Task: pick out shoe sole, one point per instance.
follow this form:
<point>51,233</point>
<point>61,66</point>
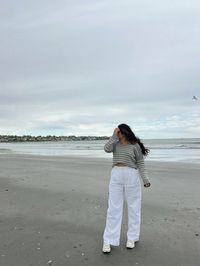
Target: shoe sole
<point>130,247</point>
<point>106,252</point>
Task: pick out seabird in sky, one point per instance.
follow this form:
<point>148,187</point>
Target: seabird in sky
<point>194,98</point>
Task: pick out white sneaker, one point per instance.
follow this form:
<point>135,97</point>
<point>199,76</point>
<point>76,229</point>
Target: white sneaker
<point>130,244</point>
<point>106,248</point>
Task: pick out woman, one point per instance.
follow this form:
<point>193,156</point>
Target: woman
<point>128,164</point>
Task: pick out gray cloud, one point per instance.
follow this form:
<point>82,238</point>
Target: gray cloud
<point>74,67</point>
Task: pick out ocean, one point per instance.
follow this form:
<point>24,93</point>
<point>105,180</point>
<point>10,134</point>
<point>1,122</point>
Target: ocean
<point>182,150</point>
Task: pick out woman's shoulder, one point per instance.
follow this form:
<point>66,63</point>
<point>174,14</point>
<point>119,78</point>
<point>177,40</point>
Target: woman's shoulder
<point>136,146</point>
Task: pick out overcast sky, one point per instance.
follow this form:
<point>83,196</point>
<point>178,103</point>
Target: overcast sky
<point>82,67</point>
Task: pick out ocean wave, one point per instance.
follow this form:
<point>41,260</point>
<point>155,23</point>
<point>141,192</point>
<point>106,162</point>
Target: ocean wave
<point>2,150</point>
<point>174,148</point>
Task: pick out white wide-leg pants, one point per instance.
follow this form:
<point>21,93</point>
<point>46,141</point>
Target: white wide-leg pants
<point>124,184</point>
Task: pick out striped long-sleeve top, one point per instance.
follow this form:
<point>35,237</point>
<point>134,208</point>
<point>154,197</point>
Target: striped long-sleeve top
<point>129,154</point>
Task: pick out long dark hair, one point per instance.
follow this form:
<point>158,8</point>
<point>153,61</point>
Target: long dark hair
<point>130,136</point>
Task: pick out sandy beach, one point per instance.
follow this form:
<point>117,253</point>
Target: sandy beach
<point>52,212</point>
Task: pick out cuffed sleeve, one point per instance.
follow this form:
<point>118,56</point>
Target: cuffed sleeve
<point>140,164</point>
<point>109,146</point>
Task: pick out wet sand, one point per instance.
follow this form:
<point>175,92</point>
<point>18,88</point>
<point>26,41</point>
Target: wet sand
<point>52,212</point>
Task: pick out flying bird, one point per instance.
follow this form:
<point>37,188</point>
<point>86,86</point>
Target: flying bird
<point>194,98</point>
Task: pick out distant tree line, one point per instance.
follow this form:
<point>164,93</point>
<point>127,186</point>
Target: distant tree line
<point>15,138</point>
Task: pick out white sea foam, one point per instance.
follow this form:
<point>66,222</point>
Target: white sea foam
<point>161,150</point>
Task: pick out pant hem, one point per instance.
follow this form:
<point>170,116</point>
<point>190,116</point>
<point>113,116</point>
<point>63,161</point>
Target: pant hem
<point>112,243</point>
<point>133,239</point>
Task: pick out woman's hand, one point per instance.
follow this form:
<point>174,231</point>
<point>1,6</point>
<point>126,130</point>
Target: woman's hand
<point>116,131</point>
<point>147,185</point>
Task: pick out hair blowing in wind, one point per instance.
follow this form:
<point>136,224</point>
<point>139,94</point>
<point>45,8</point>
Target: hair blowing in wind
<point>130,136</point>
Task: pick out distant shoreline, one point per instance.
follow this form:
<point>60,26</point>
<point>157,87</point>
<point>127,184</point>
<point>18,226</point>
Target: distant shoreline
<point>29,138</point>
